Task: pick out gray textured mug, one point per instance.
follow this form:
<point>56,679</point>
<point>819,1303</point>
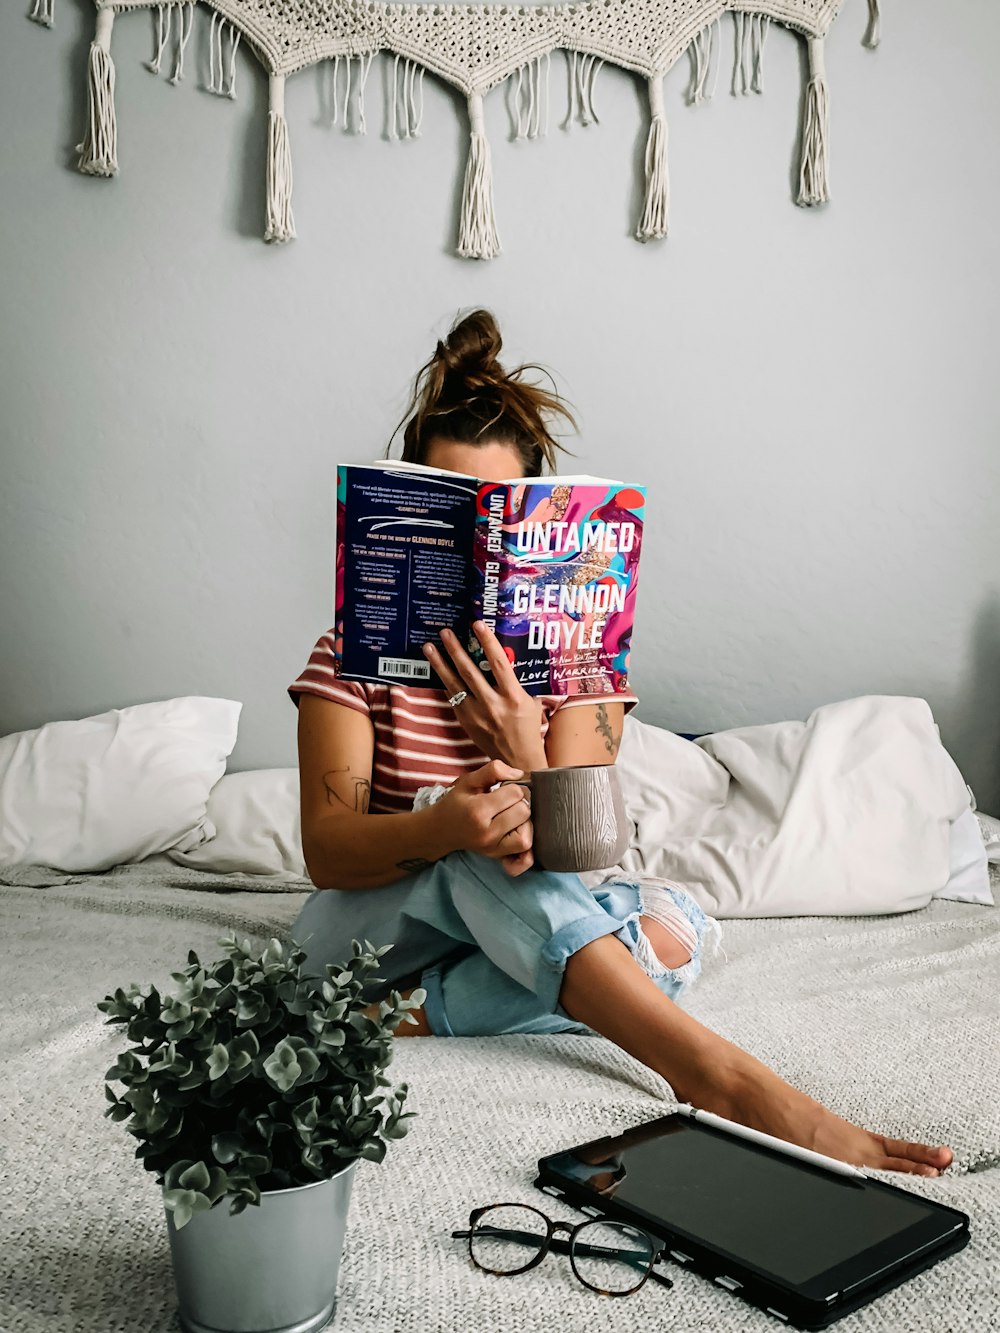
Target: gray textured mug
<point>579,817</point>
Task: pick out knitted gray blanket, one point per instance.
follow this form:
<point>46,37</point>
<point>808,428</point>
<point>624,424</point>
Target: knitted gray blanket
<point>894,1021</point>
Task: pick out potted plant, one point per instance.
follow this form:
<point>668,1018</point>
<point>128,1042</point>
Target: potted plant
<point>255,1084</point>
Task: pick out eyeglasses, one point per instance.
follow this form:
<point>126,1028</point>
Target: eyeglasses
<point>609,1257</point>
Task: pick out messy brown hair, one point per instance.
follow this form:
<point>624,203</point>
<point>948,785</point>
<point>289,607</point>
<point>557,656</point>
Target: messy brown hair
<point>463,394</point>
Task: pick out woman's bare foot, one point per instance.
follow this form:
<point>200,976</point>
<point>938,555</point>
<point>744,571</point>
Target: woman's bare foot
<point>759,1098</point>
<point>606,989</point>
<point>405,1029</point>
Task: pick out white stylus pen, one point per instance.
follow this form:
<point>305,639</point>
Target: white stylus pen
<point>768,1141</point>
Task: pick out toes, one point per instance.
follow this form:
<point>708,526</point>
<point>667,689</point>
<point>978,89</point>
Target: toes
<point>907,1166</point>
<point>921,1153</point>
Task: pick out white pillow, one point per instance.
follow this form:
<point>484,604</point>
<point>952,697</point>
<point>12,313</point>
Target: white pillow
<point>968,863</point>
<point>257,832</point>
<point>88,795</point>
<point>848,813</point>
<point>989,828</point>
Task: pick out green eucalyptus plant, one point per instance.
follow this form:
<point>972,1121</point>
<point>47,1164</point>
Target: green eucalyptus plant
<point>250,1076</point>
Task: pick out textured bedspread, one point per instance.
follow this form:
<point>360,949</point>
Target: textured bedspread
<point>893,1020</point>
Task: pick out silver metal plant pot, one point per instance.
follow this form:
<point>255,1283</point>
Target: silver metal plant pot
<point>271,1269</point>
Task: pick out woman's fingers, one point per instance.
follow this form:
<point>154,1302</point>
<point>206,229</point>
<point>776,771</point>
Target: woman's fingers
<point>511,832</point>
<point>452,682</point>
<point>471,675</point>
<point>458,676</point>
<point>509,803</point>
<point>517,865</point>
<point>500,663</point>
<point>485,778</point>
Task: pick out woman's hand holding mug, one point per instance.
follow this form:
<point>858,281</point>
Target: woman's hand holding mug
<point>494,823</point>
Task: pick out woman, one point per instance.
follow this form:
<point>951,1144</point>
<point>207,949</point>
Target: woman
<point>500,946</point>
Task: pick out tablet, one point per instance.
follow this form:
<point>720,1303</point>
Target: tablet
<point>799,1241</point>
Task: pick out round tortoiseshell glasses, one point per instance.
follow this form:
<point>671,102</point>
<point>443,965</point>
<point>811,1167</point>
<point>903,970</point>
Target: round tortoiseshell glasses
<point>612,1258</point>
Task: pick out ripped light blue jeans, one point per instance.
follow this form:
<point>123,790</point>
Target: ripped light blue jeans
<point>490,949</point>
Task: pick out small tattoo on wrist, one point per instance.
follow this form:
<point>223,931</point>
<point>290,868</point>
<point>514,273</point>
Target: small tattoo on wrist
<point>413,865</point>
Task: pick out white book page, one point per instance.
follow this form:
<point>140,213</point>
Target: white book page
<point>580,479</point>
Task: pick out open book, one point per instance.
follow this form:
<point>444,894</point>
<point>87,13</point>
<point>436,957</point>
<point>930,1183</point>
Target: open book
<point>550,564</point>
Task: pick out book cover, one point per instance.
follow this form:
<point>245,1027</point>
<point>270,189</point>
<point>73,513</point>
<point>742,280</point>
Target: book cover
<point>551,565</point>
<point>557,563</point>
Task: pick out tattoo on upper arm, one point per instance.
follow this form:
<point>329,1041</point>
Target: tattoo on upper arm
<point>605,729</point>
<point>359,790</point>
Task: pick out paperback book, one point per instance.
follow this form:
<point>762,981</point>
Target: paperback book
<point>549,563</point>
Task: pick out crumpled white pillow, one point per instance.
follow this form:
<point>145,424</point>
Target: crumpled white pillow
<point>118,787</point>
<point>968,863</point>
<point>856,811</point>
<point>256,818</point>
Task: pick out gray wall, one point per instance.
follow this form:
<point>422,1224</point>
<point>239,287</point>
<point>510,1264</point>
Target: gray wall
<point>809,395</point>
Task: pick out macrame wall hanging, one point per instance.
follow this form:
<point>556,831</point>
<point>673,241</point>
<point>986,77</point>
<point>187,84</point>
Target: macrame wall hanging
<point>475,48</point>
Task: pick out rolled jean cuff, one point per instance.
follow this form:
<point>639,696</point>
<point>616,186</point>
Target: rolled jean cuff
<point>570,939</point>
<point>437,1020</point>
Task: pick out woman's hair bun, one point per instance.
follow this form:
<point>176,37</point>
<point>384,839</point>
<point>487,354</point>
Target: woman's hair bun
<point>463,394</point>
<point>473,345</point>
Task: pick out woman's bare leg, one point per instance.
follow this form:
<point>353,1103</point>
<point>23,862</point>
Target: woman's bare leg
<point>605,988</point>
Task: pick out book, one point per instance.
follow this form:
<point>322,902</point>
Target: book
<point>549,563</point>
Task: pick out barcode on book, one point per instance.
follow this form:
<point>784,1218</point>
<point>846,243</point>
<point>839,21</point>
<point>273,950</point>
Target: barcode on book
<point>402,666</point>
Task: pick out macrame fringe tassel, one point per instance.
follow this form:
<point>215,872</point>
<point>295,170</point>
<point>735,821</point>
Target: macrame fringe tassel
<point>656,209</point>
<point>162,33</point>
<point>702,49</point>
<point>280,222</point>
<point>814,173</point>
<point>185,22</point>
<point>406,99</point>
<point>874,34</point>
<point>477,237</point>
<point>748,64</point>
<point>583,72</point>
<point>42,12</point>
<point>530,98</point>
<point>99,150</point>
<point>218,81</point>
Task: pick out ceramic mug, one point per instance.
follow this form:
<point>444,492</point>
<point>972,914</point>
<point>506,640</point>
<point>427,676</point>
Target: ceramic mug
<point>579,818</point>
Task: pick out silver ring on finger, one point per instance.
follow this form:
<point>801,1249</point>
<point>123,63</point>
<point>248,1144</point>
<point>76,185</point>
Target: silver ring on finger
<point>458,698</point>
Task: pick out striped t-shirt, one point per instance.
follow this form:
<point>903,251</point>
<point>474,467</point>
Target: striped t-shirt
<point>418,738</point>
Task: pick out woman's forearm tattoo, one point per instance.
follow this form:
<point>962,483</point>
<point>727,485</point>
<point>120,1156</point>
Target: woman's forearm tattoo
<point>359,790</point>
<point>605,729</point>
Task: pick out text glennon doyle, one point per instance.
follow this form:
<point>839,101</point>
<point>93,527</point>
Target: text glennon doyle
<point>556,539</point>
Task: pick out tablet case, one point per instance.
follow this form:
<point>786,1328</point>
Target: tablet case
<point>744,1281</point>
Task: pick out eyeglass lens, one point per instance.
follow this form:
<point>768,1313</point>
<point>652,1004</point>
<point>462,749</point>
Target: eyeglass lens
<point>611,1257</point>
<point>606,1256</point>
<point>507,1239</point>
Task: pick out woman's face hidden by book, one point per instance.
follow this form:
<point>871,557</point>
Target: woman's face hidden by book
<point>488,461</point>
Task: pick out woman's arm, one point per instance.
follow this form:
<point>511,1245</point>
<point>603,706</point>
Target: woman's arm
<point>346,848</point>
<point>336,745</point>
<point>581,734</point>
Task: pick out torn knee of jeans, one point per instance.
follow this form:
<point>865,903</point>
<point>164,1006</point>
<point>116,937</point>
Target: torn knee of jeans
<point>642,950</point>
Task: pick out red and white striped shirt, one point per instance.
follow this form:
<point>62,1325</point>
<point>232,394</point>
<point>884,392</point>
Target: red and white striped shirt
<point>418,739</point>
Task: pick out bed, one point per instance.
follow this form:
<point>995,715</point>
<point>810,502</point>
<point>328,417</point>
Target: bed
<point>894,1020</point>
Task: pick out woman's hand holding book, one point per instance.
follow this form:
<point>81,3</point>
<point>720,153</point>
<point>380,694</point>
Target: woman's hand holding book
<point>502,719</point>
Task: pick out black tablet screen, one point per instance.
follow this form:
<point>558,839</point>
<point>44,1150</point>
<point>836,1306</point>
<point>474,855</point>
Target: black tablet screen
<point>793,1221</point>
